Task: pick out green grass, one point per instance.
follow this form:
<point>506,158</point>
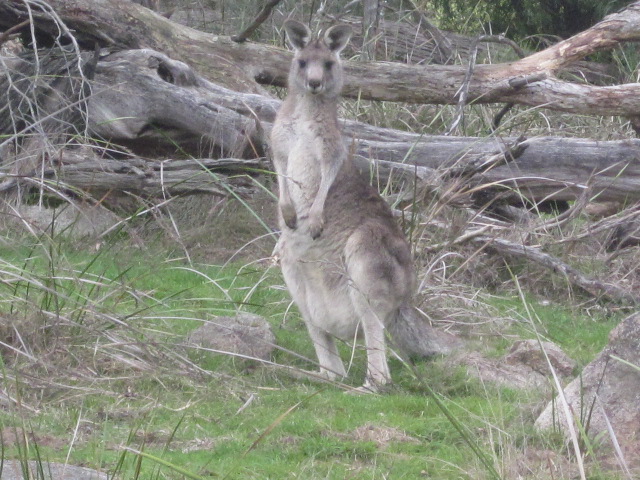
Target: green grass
<point>578,333</point>
<point>96,408</point>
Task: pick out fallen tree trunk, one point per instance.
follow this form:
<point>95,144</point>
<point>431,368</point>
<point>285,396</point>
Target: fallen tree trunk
<point>580,167</point>
<point>529,81</point>
<point>162,100</point>
<point>155,179</point>
<point>550,168</point>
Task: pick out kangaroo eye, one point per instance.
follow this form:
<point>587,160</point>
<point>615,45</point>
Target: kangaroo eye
<point>302,63</point>
<point>328,64</point>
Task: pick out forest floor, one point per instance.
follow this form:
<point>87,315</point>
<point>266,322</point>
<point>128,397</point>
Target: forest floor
<point>97,371</point>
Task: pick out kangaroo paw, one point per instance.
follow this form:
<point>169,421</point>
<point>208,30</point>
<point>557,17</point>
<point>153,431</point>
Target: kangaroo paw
<point>316,225</point>
<point>289,215</point>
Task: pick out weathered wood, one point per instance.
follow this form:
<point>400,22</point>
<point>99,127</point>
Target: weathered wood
<point>592,286</point>
<point>152,178</point>
<point>141,94</point>
<point>242,66</point>
<point>370,22</point>
<point>421,43</point>
<point>260,19</point>
<point>550,168</point>
<point>442,43</point>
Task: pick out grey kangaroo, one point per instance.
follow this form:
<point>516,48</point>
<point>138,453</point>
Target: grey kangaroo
<point>344,259</point>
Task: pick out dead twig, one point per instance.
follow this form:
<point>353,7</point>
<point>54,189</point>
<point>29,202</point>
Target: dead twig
<point>596,288</point>
<point>260,19</point>
<point>4,36</point>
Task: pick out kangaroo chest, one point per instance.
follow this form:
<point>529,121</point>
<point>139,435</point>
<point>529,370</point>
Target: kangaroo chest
<point>304,161</point>
<point>307,144</point>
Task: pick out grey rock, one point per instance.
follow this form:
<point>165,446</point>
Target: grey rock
<point>609,391</point>
<point>523,367</point>
<point>530,353</point>
<point>12,470</point>
<point>496,370</point>
<point>73,221</point>
<point>245,334</point>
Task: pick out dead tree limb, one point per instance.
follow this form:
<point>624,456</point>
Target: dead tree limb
<point>152,178</point>
<point>260,19</point>
<point>595,288</point>
<point>243,66</point>
<point>370,20</point>
<point>143,100</point>
<point>443,45</point>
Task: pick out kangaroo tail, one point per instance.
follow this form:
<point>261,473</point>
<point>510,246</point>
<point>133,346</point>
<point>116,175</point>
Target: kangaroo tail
<point>412,334</point>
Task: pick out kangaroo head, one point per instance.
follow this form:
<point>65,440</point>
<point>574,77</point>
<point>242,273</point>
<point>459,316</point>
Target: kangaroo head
<point>316,67</point>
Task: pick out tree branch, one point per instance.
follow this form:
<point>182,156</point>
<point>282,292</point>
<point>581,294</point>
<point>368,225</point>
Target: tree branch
<point>592,286</point>
<point>243,66</point>
<point>260,19</point>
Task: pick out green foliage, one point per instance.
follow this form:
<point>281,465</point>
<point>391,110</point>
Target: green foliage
<point>525,18</point>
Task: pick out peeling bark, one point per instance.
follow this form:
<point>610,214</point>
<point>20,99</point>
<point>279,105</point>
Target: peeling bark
<point>141,97</point>
<point>118,23</point>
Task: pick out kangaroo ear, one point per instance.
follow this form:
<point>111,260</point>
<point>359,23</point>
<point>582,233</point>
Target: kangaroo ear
<point>298,34</point>
<point>337,37</point>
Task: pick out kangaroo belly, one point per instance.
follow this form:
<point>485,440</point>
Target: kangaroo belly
<point>316,276</point>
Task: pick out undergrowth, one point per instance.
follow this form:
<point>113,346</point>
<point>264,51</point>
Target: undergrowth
<point>97,371</point>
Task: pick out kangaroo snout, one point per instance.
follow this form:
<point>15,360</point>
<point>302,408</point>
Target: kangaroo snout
<point>315,75</point>
<point>314,86</point>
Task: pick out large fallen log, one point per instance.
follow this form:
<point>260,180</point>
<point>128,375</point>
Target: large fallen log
<point>530,81</point>
<point>141,95</point>
<point>151,178</point>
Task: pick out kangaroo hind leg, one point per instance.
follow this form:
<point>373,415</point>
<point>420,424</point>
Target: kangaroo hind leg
<point>372,321</point>
<point>380,281</point>
<point>331,365</point>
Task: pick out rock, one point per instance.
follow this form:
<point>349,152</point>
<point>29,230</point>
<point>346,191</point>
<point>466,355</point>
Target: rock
<point>523,367</point>
<point>609,390</point>
<point>245,334</point>
<point>496,370</point>
<point>598,210</point>
<point>74,221</point>
<point>529,353</point>
<point>12,470</point>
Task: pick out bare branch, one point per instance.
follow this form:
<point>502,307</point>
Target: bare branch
<point>6,35</point>
<point>592,286</point>
<point>260,19</point>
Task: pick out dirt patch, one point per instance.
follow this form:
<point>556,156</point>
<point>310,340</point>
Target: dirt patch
<point>12,437</point>
<point>380,435</point>
<point>541,464</point>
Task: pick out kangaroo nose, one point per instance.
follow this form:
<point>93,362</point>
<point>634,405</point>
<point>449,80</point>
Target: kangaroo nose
<point>314,84</point>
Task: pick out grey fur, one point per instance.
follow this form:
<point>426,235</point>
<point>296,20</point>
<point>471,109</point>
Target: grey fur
<point>346,262</point>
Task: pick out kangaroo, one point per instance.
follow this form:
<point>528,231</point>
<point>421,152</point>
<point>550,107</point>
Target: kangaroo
<point>344,259</point>
<point>306,140</point>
